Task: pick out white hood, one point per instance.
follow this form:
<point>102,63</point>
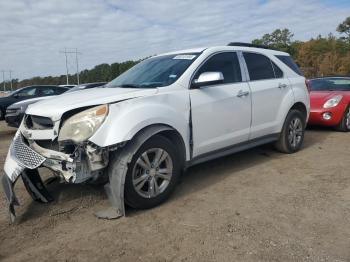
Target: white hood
<point>57,106</point>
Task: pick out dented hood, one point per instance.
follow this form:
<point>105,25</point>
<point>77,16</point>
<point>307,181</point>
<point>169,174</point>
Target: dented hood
<point>54,108</point>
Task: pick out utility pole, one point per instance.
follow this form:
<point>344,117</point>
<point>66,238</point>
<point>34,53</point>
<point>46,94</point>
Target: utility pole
<point>3,79</point>
<point>65,52</point>
<point>10,71</point>
<point>77,62</point>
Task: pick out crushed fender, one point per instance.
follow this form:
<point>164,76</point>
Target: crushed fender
<point>118,169</point>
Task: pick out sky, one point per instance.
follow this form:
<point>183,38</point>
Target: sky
<point>32,32</point>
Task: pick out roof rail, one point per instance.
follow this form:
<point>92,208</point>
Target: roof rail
<point>249,45</point>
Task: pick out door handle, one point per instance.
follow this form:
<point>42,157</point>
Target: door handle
<point>242,93</point>
<point>280,85</point>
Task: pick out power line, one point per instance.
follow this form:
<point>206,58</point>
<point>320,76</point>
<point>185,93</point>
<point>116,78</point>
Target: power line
<point>65,52</point>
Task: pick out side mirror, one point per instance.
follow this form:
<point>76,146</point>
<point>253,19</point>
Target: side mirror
<point>208,78</point>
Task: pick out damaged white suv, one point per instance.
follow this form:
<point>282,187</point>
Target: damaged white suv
<point>165,114</point>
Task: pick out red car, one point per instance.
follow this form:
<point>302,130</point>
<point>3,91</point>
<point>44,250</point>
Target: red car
<point>329,102</point>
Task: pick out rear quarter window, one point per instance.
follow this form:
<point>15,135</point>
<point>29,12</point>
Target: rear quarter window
<point>287,60</point>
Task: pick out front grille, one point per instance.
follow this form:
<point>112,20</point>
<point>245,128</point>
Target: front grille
<point>38,122</point>
<point>25,155</point>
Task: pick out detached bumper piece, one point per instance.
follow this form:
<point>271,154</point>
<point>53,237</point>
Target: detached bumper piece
<point>10,196</point>
<point>23,162</point>
<point>34,185</point>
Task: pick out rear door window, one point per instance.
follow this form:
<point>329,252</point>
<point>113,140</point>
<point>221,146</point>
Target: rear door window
<point>259,66</point>
<point>46,91</point>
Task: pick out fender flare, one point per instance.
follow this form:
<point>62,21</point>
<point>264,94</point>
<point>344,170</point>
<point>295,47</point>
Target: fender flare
<point>118,169</point>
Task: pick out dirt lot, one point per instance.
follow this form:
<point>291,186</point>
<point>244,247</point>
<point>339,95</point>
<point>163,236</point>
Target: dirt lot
<point>258,205</point>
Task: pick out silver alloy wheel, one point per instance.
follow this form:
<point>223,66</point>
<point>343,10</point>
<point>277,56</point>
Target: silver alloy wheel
<point>347,122</point>
<point>295,132</point>
<point>152,172</point>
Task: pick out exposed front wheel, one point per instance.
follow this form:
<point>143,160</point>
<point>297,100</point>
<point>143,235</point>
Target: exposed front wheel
<point>344,125</point>
<point>292,135</point>
<point>152,174</point>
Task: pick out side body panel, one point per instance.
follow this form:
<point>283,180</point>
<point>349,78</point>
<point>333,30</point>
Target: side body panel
<point>219,117</point>
<point>270,103</point>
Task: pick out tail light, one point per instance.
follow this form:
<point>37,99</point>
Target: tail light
<point>308,85</point>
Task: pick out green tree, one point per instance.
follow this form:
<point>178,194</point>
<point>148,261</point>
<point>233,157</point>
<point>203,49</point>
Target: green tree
<point>280,39</point>
<point>344,28</point>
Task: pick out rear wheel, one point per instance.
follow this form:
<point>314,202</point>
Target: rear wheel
<point>292,135</point>
<point>344,125</point>
<point>152,174</point>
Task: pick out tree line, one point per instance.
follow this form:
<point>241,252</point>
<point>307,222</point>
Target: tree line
<point>321,56</point>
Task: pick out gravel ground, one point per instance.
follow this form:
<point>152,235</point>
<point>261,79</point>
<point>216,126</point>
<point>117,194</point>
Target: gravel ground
<point>258,205</point>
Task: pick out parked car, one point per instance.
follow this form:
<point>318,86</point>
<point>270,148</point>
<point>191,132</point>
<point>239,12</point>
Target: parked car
<point>165,114</point>
<point>86,86</point>
<point>330,102</point>
<point>28,93</point>
<point>68,86</point>
<point>15,112</point>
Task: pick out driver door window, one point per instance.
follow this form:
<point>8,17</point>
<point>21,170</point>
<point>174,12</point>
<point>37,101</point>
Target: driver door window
<point>226,63</point>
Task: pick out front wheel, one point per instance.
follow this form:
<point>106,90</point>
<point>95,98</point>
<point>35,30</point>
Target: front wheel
<point>152,174</point>
<point>344,125</point>
<point>292,135</point>
<point>2,114</point>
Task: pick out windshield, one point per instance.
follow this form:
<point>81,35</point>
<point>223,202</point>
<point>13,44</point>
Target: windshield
<point>330,84</point>
<point>155,72</point>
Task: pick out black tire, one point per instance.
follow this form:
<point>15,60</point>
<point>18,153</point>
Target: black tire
<point>132,197</point>
<point>285,143</point>
<point>344,124</point>
<point>2,114</point>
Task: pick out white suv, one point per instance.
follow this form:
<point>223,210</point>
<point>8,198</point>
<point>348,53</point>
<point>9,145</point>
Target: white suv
<point>167,113</point>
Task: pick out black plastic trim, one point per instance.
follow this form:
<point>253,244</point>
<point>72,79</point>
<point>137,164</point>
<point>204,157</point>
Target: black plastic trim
<point>233,149</point>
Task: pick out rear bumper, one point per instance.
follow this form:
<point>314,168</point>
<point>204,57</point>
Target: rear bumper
<point>317,116</point>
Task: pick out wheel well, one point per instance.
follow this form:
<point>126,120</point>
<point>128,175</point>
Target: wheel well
<point>300,107</point>
<point>177,140</point>
<point>170,133</point>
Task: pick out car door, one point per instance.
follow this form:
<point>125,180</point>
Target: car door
<point>269,89</point>
<point>221,113</point>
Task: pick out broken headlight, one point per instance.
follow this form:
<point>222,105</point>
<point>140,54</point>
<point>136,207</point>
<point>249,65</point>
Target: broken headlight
<point>83,125</point>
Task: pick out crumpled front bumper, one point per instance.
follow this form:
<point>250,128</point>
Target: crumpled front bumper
<point>22,161</point>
